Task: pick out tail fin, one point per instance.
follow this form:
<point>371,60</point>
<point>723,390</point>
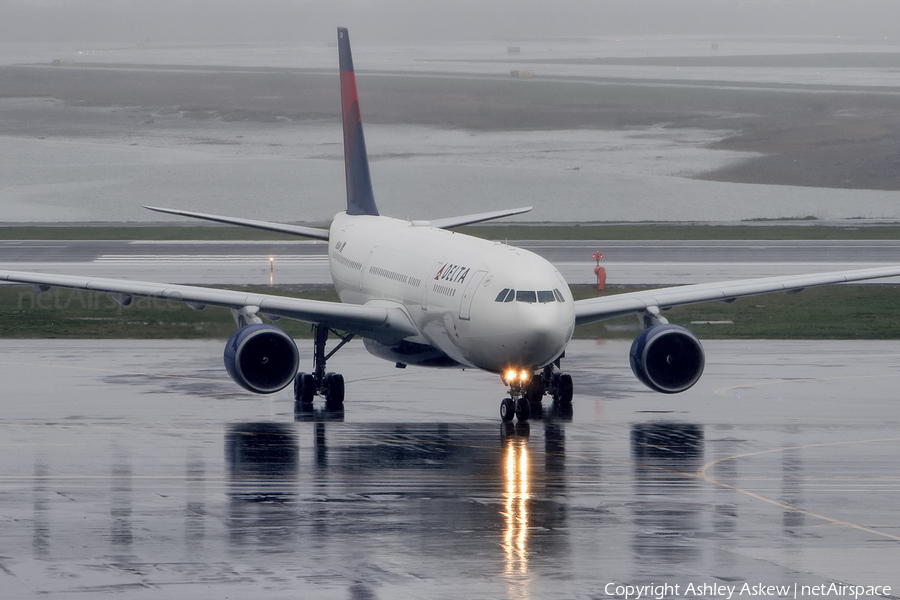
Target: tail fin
<point>360,199</point>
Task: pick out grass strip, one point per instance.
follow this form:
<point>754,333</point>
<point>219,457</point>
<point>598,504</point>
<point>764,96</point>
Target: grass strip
<point>864,311</point>
<point>514,231</point>
<point>138,232</point>
<point>833,312</point>
<point>79,314</point>
<point>681,231</point>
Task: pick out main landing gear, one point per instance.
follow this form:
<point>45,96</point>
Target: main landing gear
<point>328,385</point>
<point>527,390</point>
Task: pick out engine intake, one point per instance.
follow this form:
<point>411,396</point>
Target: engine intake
<point>261,358</point>
<point>667,358</point>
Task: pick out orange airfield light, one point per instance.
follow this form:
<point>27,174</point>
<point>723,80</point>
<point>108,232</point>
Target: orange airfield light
<point>600,272</point>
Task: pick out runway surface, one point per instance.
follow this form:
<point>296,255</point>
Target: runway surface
<point>136,468</point>
<point>626,262</point>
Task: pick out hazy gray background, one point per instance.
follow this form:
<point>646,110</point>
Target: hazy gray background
<point>253,21</point>
<point>637,110</point>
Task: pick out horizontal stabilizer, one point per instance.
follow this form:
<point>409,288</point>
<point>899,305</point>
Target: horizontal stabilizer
<point>450,222</point>
<point>310,232</point>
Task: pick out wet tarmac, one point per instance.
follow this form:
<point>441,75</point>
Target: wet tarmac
<point>135,469</point>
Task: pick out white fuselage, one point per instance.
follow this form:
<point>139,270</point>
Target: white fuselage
<point>449,284</point>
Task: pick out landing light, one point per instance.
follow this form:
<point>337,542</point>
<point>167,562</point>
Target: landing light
<point>511,376</point>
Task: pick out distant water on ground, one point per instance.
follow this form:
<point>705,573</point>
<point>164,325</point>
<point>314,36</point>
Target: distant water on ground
<point>70,181</point>
<point>469,56</point>
<point>294,172</point>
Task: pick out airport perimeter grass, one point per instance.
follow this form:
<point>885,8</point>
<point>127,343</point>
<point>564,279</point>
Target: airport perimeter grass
<point>833,312</point>
<point>78,314</point>
<point>865,311</point>
<point>800,229</point>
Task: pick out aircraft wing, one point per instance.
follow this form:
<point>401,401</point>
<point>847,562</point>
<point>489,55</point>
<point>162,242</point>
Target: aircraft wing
<point>388,323</point>
<point>449,222</point>
<point>311,232</point>
<point>608,307</point>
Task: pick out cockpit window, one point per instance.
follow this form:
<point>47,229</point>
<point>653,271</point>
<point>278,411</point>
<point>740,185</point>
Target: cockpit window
<point>529,296</point>
<point>506,295</point>
<point>526,296</point>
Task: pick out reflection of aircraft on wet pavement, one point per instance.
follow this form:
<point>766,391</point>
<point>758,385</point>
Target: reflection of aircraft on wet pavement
<point>372,477</point>
<point>418,294</point>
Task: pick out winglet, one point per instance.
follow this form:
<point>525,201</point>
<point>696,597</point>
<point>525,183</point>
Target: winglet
<point>360,199</point>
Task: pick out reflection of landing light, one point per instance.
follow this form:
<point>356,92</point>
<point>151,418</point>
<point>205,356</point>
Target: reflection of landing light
<point>515,542</point>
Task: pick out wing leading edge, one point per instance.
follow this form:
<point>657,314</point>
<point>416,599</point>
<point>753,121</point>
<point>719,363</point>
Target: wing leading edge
<point>392,322</point>
<point>608,307</point>
<point>386,323</point>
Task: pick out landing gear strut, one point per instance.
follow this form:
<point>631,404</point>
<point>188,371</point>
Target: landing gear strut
<point>527,390</point>
<point>328,385</point>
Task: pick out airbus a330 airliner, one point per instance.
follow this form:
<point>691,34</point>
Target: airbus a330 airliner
<point>418,294</point>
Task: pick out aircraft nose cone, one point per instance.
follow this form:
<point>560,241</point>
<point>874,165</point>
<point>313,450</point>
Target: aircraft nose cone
<point>542,336</point>
<point>521,335</point>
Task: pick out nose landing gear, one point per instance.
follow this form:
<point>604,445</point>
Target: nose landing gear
<point>527,390</point>
<point>519,408</point>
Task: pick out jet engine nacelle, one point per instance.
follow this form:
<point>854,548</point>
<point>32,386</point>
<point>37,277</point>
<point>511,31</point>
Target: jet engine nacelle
<point>667,358</point>
<point>261,358</point>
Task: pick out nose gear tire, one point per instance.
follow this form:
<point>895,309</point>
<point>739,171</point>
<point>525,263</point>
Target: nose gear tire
<point>507,410</point>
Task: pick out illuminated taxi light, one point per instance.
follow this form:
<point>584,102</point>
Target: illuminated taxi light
<point>511,376</point>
